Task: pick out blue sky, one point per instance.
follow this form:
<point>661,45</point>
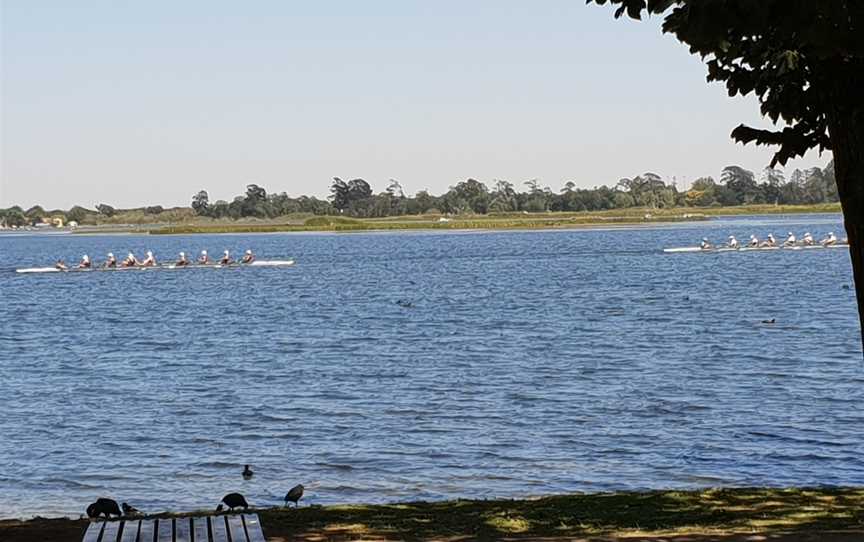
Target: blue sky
<point>133,103</point>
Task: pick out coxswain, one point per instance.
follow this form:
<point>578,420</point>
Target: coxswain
<point>61,265</point>
<point>130,261</point>
<point>790,240</point>
<point>226,258</point>
<point>808,239</point>
<point>111,261</point>
<point>831,239</point>
<point>85,262</point>
<point>769,242</point>
<point>203,259</point>
<point>149,261</point>
<point>248,257</point>
<point>705,245</point>
<point>733,243</point>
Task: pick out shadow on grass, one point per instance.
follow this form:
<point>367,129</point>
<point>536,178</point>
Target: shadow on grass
<point>614,514</point>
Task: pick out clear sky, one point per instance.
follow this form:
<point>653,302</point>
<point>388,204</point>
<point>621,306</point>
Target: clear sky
<point>132,103</point>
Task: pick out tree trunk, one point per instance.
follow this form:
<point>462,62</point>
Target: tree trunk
<point>846,129</point>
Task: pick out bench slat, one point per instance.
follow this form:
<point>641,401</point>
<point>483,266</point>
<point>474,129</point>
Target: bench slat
<point>130,531</point>
<point>166,530</point>
<point>201,532</point>
<point>253,528</point>
<point>147,531</point>
<point>92,534</point>
<point>217,529</point>
<point>182,530</point>
<point>111,531</point>
<point>235,525</point>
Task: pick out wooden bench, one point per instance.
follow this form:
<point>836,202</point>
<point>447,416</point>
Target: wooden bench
<point>223,528</point>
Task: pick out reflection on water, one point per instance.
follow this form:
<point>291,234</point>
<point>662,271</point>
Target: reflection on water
<point>427,366</point>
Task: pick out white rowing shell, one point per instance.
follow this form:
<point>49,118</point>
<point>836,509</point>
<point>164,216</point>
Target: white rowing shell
<point>257,263</point>
<point>748,249</point>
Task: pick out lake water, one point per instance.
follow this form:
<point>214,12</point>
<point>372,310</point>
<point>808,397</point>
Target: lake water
<point>388,367</point>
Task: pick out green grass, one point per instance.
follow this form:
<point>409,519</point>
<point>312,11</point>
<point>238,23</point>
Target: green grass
<point>765,511</point>
<point>658,512</point>
<point>500,221</point>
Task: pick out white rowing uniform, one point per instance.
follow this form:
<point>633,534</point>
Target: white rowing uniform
<point>705,245</point>
<point>807,239</point>
<point>754,242</point>
<point>203,259</point>
<point>733,243</point>
<point>830,240</point>
<point>149,260</point>
<point>790,239</point>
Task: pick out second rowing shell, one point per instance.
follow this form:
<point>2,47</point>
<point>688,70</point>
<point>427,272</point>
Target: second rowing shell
<point>748,249</point>
<point>257,263</point>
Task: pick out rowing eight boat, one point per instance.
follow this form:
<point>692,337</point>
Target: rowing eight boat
<point>750,249</point>
<point>257,263</point>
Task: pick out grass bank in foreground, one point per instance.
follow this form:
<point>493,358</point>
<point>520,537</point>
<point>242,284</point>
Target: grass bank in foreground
<point>499,221</point>
<point>795,514</point>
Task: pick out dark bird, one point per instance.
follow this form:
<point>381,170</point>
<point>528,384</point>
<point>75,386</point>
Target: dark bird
<point>771,321</point>
<point>294,494</point>
<point>219,508</point>
<point>235,500</point>
<point>108,507</point>
<point>247,472</point>
<point>130,510</point>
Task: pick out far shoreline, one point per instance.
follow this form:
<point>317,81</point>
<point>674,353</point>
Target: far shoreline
<point>633,218</point>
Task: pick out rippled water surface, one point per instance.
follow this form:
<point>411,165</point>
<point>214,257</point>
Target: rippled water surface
<point>389,367</point>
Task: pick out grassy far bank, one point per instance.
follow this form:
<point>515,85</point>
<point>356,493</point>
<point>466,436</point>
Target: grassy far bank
<point>781,514</point>
<point>500,221</point>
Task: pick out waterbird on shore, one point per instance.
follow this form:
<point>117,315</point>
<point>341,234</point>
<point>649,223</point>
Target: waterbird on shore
<point>294,494</point>
<point>108,507</point>
<point>129,510</point>
<point>247,473</point>
<point>234,500</point>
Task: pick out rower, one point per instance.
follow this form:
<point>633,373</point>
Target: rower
<point>790,240</point>
<point>61,265</point>
<point>248,257</point>
<point>226,258</point>
<point>182,260</point>
<point>808,239</point>
<point>130,261</point>
<point>754,242</point>
<point>203,259</point>
<point>149,261</point>
<point>769,242</point>
<point>831,239</point>
<point>733,243</point>
<point>111,261</point>
<point>85,262</point>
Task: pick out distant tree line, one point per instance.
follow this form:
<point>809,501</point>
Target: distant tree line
<point>736,186</point>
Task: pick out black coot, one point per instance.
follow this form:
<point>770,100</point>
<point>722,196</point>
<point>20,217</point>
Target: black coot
<point>235,500</point>
<point>294,494</point>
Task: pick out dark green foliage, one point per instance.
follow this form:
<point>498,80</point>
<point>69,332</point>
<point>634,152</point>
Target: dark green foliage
<point>791,54</point>
<point>201,203</point>
<point>78,214</point>
<point>105,210</point>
